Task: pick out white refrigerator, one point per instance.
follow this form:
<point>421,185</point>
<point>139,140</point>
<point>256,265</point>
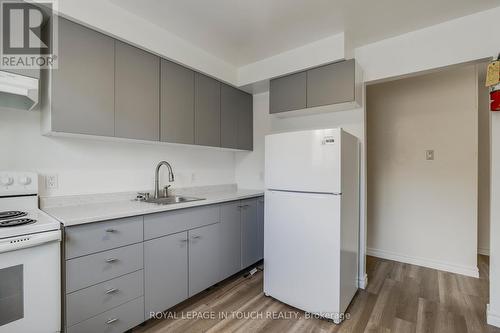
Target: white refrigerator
<point>311,230</point>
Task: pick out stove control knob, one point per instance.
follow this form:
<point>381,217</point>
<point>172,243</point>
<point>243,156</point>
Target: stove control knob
<point>24,180</point>
<point>6,181</point>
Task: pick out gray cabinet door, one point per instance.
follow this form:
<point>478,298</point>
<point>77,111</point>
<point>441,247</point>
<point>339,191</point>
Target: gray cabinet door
<point>165,272</point>
<point>331,84</point>
<point>177,103</point>
<point>83,84</point>
<point>207,111</point>
<point>236,118</point>
<point>204,260</point>
<point>245,122</point>
<point>260,224</point>
<point>137,93</point>
<point>249,233</point>
<point>229,113</point>
<point>230,239</point>
<point>288,93</point>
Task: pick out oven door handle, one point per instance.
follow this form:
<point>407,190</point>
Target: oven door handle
<point>22,242</point>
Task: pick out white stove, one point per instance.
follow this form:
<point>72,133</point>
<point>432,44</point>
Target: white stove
<point>30,270</point>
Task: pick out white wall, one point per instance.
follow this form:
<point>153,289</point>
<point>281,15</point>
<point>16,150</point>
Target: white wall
<point>424,212</point>
<point>93,166</point>
<point>484,179</point>
<point>457,41</point>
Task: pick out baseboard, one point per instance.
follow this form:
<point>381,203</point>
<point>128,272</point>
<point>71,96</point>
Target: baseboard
<point>492,318</point>
<point>442,266</point>
<point>362,281</point>
<point>484,252</point>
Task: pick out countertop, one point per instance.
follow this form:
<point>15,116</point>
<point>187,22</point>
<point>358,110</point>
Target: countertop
<point>81,213</point>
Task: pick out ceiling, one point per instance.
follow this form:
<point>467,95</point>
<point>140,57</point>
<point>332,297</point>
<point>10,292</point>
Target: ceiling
<point>241,32</point>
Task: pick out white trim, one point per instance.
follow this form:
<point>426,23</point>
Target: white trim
<point>484,252</point>
<point>430,263</point>
<point>492,318</point>
<point>362,281</point>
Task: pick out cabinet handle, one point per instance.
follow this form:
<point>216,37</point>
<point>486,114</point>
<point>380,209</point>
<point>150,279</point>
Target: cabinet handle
<point>110,230</point>
<point>111,320</point>
<point>110,260</point>
<point>183,240</point>
<point>196,237</point>
<point>111,291</point>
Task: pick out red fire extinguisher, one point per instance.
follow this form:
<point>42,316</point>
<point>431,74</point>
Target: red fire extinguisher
<point>495,98</point>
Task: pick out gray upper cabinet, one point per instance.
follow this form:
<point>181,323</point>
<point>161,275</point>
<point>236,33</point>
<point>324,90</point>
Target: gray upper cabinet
<point>236,118</point>
<point>337,84</point>
<point>204,260</point>
<point>288,93</point>
<point>230,239</point>
<point>137,93</point>
<point>106,87</point>
<point>229,113</point>
<point>165,272</point>
<point>245,122</point>
<point>207,111</point>
<point>331,84</point>
<point>250,240</point>
<point>177,103</point>
<point>84,83</point>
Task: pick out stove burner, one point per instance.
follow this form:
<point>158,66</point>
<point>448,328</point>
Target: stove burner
<point>12,214</point>
<point>15,223</point>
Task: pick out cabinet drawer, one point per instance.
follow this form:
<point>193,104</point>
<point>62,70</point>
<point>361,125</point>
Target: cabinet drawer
<point>95,237</point>
<point>117,320</point>
<point>161,224</point>
<point>91,301</point>
<point>92,269</point>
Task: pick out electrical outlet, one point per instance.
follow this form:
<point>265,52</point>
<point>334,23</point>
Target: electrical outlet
<point>429,155</point>
<point>51,182</point>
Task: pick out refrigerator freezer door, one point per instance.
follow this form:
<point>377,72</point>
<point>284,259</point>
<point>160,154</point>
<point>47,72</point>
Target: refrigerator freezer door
<point>306,161</point>
<point>302,250</point>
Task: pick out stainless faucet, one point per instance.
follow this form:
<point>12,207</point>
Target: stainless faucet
<point>157,177</point>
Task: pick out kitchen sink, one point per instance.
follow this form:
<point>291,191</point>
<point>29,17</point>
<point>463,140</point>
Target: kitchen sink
<point>172,200</point>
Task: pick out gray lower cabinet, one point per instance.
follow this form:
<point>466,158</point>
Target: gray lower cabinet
<point>288,93</point>
<point>137,93</point>
<point>84,83</point>
<point>207,129</point>
<point>85,303</point>
<point>177,103</point>
<point>331,84</point>
<point>119,273</point>
<point>165,272</point>
<point>230,238</point>
<point>204,259</point>
<point>116,320</point>
<point>250,238</point>
<point>260,223</point>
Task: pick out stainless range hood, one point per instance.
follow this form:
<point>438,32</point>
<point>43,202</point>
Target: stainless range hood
<point>18,91</point>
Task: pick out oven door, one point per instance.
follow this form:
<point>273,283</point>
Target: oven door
<point>30,283</point>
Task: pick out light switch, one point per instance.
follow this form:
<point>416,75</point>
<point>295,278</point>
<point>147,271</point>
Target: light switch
<point>429,155</point>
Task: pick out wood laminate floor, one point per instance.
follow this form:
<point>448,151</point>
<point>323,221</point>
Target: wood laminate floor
<point>399,298</point>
